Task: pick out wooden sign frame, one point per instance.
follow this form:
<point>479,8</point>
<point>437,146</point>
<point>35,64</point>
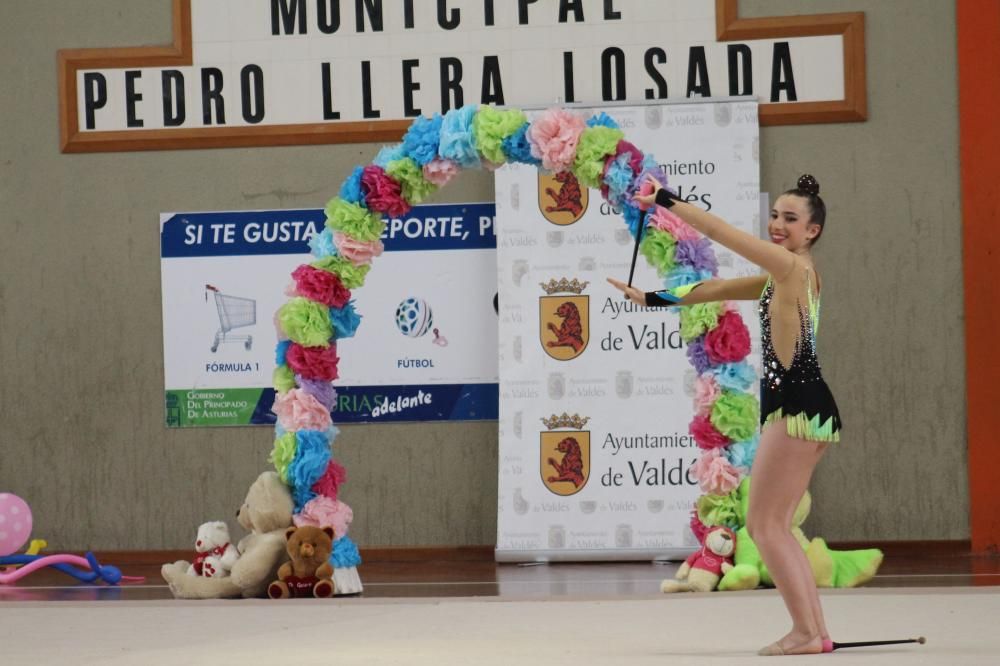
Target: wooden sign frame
<point>729,27</point>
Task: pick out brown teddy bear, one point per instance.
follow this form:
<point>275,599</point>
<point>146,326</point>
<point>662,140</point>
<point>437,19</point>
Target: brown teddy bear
<point>309,573</point>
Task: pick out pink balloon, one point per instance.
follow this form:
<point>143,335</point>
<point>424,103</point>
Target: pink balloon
<point>15,524</point>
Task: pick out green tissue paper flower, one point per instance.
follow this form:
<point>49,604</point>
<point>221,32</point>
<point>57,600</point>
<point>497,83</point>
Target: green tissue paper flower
<point>698,319</point>
<point>491,126</point>
<point>283,379</point>
<point>659,248</point>
<point>735,415</point>
<point>410,176</point>
<point>352,276</point>
<point>742,494</point>
<point>596,143</point>
<point>354,220</point>
<point>718,509</point>
<point>306,322</point>
<point>283,454</point>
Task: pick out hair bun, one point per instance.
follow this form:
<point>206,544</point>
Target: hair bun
<point>808,184</point>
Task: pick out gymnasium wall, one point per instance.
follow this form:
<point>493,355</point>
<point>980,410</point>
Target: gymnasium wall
<point>81,377</point>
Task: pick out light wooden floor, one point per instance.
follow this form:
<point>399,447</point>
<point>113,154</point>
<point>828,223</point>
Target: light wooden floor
<point>914,565</point>
<point>639,630</point>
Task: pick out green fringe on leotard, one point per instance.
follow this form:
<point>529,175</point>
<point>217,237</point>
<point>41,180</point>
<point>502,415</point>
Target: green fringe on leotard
<point>803,427</point>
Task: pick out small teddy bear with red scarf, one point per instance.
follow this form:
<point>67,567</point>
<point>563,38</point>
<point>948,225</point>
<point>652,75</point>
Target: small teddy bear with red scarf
<point>703,569</point>
<point>216,556</point>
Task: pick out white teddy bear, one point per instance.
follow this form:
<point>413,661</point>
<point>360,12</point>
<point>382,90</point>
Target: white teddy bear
<point>216,555</point>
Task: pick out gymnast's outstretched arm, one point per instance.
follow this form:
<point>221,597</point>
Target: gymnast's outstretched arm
<point>709,291</point>
<point>774,259</point>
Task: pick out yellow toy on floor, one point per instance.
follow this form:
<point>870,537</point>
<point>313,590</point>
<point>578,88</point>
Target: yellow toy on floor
<point>831,568</point>
<point>34,548</point>
<point>730,561</point>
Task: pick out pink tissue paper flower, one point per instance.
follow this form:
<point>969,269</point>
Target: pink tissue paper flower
<point>439,171</point>
<point>699,528</point>
<point>329,484</point>
<point>383,193</point>
<point>298,410</point>
<point>664,220</point>
<point>706,392</point>
<point>635,155</point>
<point>715,474</point>
<point>357,252</point>
<point>554,137</point>
<point>321,286</point>
<point>313,362</point>
<point>729,341</point>
<point>325,512</point>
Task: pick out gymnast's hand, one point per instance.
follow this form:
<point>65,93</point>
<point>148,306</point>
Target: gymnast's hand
<point>649,199</point>
<point>631,293</point>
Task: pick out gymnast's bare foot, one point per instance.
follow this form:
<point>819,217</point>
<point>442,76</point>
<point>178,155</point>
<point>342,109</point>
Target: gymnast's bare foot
<point>794,643</point>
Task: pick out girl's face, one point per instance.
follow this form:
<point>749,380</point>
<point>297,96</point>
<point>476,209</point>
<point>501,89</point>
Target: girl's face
<point>790,224</point>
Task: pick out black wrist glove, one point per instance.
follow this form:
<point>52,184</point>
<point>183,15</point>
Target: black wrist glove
<point>665,198</point>
<point>660,299</point>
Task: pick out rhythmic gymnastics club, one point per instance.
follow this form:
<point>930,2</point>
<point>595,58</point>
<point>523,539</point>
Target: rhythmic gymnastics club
<point>635,250</point>
<point>837,646</point>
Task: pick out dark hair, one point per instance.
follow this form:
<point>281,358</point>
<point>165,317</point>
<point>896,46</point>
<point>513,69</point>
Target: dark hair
<point>808,189</point>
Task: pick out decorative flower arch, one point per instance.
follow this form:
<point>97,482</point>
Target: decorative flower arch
<point>320,310</point>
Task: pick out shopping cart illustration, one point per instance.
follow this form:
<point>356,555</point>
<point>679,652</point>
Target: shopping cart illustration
<point>234,312</point>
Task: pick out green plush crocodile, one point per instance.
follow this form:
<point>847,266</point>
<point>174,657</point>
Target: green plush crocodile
<point>831,568</point>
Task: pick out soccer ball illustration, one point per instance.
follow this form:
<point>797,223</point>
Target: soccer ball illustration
<point>414,317</point>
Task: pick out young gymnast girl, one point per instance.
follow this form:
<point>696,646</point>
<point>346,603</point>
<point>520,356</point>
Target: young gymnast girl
<point>799,416</point>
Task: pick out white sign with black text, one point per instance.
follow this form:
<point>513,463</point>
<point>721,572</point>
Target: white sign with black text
<point>296,62</point>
